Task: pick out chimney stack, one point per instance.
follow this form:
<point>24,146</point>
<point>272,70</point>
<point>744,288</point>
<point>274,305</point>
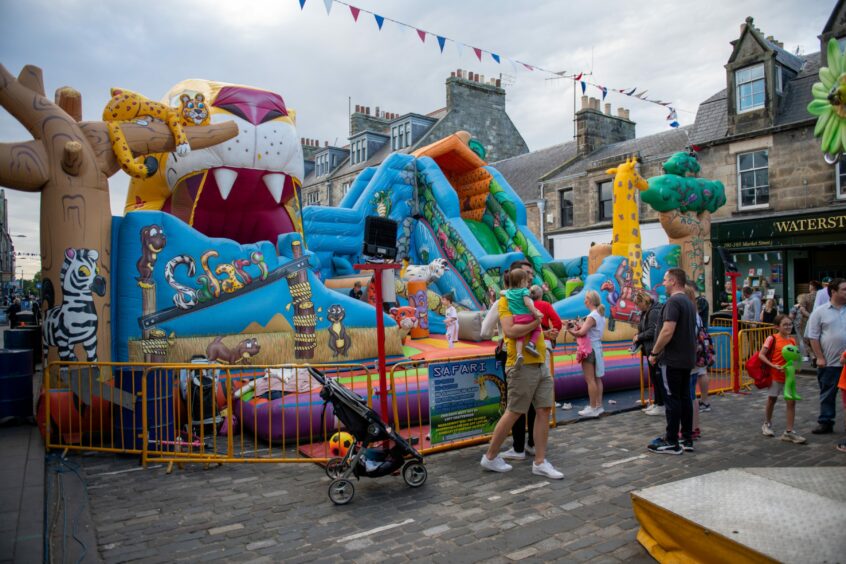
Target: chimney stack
<point>585,103</point>
<point>607,109</point>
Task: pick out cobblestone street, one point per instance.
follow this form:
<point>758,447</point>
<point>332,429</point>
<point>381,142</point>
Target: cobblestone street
<point>282,512</point>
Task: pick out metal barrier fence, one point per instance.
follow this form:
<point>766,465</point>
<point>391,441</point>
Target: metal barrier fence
<point>207,413</point>
<point>202,413</point>
<point>719,375</point>
<point>751,341</point>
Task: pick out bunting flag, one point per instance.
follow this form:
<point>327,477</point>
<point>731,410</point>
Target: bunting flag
<point>442,39</point>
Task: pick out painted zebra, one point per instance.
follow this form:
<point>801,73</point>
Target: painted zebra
<point>649,262</point>
<point>75,320</point>
<point>185,297</point>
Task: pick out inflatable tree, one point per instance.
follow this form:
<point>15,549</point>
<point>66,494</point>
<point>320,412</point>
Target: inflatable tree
<point>69,161</point>
<point>684,204</point>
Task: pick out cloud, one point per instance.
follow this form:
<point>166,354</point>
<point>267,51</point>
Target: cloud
<point>321,64</point>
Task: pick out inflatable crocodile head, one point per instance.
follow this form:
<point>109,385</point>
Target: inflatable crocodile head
<point>246,188</point>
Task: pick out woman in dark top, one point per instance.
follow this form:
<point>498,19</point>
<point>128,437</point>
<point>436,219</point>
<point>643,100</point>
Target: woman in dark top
<point>647,331</point>
<point>769,312</point>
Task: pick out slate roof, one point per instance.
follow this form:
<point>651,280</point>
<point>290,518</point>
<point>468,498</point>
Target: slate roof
<point>649,147</point>
<point>523,171</point>
<point>712,116</point>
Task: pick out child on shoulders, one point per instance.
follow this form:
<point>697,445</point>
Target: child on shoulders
<point>524,312</point>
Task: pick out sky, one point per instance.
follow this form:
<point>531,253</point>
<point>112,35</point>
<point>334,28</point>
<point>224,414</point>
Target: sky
<point>322,63</point>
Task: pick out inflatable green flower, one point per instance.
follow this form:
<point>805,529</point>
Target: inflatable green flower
<point>829,104</point>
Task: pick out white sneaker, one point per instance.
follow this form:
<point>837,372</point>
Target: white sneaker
<point>512,454</point>
<point>656,410</point>
<point>546,469</point>
<point>586,412</point>
<point>767,429</point>
<point>598,411</point>
<point>648,408</point>
<point>495,465</point>
<point>530,450</point>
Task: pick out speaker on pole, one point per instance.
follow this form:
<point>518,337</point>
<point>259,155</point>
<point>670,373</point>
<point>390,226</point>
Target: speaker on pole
<point>380,237</point>
<point>728,263</point>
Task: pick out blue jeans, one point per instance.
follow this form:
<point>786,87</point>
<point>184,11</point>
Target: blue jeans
<point>828,378</point>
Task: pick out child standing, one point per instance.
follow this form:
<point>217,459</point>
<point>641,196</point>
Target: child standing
<point>524,312</point>
<point>450,319</point>
<point>771,356</point>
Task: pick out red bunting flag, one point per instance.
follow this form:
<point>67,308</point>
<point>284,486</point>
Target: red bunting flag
<point>530,67</point>
<point>422,35</point>
<point>354,12</point>
<point>579,77</point>
<point>478,53</point>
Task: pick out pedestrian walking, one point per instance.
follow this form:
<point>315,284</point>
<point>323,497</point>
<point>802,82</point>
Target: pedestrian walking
<point>751,305</point>
<point>771,356</point>
<point>527,384</point>
<point>769,313</point>
<point>827,332</point>
<point>675,353</point>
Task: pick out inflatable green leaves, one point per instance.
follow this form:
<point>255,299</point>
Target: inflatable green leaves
<point>829,103</point>
<point>677,191</point>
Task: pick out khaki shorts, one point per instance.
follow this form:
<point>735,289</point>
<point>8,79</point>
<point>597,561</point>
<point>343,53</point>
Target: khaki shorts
<point>530,385</point>
<point>775,390</point>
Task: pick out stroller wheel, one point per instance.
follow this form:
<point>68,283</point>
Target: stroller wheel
<point>335,468</point>
<point>414,474</point>
<point>341,491</point>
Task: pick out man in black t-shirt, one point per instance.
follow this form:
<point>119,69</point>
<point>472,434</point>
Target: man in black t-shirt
<point>675,353</point>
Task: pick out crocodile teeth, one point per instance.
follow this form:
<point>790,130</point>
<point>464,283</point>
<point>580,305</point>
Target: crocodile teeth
<point>225,178</point>
<point>275,182</point>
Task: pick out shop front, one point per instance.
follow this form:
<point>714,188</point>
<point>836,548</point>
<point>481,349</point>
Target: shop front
<point>779,254</point>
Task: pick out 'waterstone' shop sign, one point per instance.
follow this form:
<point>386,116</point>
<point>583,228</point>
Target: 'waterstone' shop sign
<point>805,229</point>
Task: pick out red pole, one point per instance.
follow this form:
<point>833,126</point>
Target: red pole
<point>378,269</point>
<point>735,337</point>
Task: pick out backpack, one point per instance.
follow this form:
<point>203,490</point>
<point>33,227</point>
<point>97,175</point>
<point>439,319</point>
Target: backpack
<point>757,370</point>
<point>705,355</point>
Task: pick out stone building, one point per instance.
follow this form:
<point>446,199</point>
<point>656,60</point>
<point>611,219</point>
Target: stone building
<point>784,223</point>
<point>7,249</point>
<point>567,190</point>
<point>472,104</point>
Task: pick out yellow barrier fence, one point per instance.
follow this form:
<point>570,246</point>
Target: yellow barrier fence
<point>719,375</point>
<point>194,412</point>
<point>751,341</point>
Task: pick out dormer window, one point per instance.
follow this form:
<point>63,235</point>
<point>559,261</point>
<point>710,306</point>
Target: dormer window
<point>401,136</point>
<point>750,86</point>
<point>322,164</point>
<point>358,151</point>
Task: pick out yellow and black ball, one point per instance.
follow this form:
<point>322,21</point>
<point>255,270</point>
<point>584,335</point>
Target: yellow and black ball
<point>340,443</point>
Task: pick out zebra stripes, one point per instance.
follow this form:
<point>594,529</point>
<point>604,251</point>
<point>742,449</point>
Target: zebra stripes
<point>75,320</point>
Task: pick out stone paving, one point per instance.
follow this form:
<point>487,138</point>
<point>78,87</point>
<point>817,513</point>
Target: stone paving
<point>273,513</point>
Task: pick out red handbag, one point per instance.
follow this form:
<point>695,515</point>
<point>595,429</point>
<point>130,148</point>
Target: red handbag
<point>758,370</point>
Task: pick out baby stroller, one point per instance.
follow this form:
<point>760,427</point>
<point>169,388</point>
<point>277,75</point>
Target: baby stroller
<point>367,428</point>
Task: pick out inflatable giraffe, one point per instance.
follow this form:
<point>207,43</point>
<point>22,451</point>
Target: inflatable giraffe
<point>626,217</point>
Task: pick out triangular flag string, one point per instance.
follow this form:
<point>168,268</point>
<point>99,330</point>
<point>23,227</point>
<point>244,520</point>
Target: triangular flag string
<point>460,45</point>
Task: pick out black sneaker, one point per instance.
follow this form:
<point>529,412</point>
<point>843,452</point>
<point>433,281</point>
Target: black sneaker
<point>661,446</point>
<point>687,445</point>
<point>823,429</point>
